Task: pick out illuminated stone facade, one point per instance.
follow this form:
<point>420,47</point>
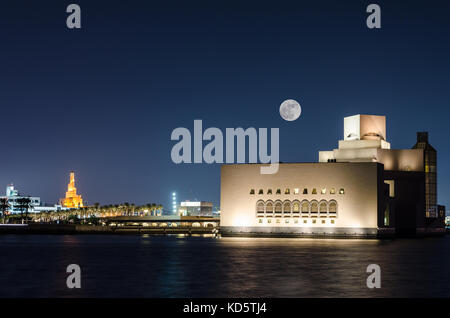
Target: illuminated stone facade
<point>302,199</point>
<point>72,199</point>
<point>361,189</point>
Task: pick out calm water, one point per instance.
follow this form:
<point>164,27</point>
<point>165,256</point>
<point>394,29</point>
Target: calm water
<point>171,266</point>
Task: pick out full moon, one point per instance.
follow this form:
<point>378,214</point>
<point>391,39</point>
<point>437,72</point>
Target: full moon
<point>290,110</point>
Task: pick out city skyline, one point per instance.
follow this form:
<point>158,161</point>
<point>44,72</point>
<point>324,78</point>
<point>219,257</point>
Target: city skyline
<point>103,100</point>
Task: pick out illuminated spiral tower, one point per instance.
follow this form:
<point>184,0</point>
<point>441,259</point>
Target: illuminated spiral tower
<point>72,200</point>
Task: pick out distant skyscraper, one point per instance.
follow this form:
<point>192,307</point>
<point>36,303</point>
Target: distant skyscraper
<point>72,200</point>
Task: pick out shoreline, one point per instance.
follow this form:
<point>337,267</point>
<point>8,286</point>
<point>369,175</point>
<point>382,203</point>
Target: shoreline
<point>97,229</point>
<point>65,229</point>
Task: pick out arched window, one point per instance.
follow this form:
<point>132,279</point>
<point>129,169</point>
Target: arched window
<point>278,207</point>
<point>314,208</point>
<point>269,207</point>
<point>332,209</point>
<point>296,207</point>
<point>305,208</point>
<point>260,207</point>
<point>287,207</point>
<point>323,209</point>
<point>287,191</point>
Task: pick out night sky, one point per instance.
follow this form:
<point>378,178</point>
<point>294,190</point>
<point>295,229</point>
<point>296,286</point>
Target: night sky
<point>104,99</point>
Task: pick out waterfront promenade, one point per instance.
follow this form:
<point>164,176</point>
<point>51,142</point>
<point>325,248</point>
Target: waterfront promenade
<point>123,225</point>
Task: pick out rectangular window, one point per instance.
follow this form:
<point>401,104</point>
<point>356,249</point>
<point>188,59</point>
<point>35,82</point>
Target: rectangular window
<point>269,191</point>
<point>314,191</point>
<point>278,191</point>
<point>323,191</point>
<point>391,184</point>
<point>287,191</point>
<point>252,191</point>
<point>386,215</point>
<point>332,191</point>
<point>296,191</point>
<point>261,191</point>
<point>341,191</point>
<point>305,191</point>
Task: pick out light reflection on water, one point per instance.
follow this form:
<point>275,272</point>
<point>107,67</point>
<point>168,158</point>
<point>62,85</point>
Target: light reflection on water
<point>183,266</point>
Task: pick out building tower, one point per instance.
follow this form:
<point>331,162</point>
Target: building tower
<point>72,200</point>
<point>430,169</point>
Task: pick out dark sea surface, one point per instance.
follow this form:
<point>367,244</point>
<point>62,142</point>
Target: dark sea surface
<point>177,266</point>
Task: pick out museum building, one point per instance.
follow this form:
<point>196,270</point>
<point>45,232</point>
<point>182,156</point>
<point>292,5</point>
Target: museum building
<point>361,189</point>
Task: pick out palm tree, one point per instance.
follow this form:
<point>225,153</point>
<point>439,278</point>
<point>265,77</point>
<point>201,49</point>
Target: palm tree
<point>4,205</point>
<point>85,213</point>
<point>106,210</point>
<point>126,206</point>
<point>90,211</point>
<point>48,216</point>
<point>96,208</point>
<point>67,214</point>
<point>23,205</point>
<point>77,212</point>
<point>148,207</point>
<point>153,208</point>
<point>101,210</point>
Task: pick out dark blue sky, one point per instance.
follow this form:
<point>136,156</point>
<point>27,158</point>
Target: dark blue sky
<point>104,100</point>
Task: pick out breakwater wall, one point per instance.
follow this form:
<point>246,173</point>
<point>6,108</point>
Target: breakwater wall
<point>96,229</point>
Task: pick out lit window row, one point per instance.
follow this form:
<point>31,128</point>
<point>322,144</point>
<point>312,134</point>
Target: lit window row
<point>296,221</point>
<point>297,191</point>
<point>304,209</point>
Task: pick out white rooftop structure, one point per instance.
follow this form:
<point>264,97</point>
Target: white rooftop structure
<point>365,141</point>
